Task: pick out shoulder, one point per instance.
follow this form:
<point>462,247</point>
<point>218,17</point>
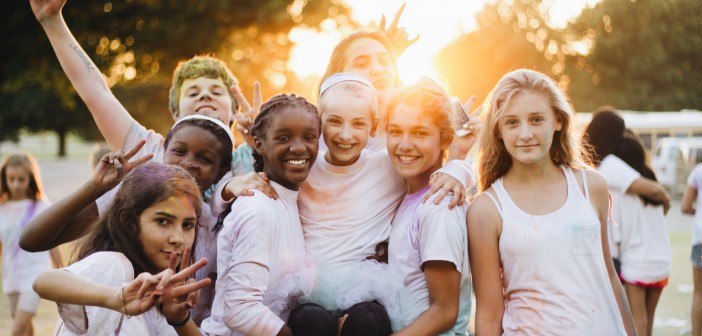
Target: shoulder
<point>483,214</point>
<point>104,267</point>
<point>596,182</point>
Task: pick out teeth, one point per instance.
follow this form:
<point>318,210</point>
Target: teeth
<point>344,146</point>
<point>404,158</point>
<point>296,162</point>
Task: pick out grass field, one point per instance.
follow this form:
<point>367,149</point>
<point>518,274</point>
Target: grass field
<point>61,176</point>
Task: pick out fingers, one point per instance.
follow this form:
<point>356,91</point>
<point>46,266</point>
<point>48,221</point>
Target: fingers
<point>239,96</point>
<point>469,103</point>
<point>189,271</point>
<point>433,187</point>
<point>142,160</point>
<point>381,25</point>
<point>190,288</point>
<point>257,101</point>
<point>396,19</point>
<point>135,149</point>
<point>185,261</point>
<point>172,261</point>
<point>148,283</point>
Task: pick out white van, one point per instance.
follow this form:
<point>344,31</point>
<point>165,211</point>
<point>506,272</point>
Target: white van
<point>673,159</point>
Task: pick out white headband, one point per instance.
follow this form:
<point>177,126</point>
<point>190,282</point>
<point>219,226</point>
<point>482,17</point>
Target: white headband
<point>210,119</point>
<point>343,77</point>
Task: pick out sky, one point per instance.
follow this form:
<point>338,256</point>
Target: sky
<point>438,23</point>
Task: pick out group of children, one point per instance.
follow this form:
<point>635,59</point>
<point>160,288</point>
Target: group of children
<point>353,220</point>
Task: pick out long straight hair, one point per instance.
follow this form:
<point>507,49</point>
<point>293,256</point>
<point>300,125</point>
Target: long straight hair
<point>493,159</point>
<point>26,161</point>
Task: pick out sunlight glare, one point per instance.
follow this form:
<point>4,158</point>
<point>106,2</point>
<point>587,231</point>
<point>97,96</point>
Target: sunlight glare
<point>438,23</point>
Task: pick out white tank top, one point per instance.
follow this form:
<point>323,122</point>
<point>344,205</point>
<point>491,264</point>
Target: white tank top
<point>554,276</point>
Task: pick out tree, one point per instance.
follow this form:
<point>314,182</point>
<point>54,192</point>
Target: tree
<point>510,35</point>
<point>646,55</point>
<point>137,44</point>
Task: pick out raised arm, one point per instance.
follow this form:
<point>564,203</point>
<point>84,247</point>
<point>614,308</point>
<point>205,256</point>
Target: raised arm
<point>111,117</point>
<point>70,218</point>
<point>484,229</point>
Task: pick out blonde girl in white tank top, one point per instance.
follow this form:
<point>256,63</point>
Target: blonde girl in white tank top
<point>538,232</point>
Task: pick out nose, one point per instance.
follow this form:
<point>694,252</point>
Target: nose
<point>525,132</point>
<point>405,144</point>
<point>204,95</point>
<point>177,236</point>
<point>345,132</point>
<point>297,146</point>
<point>376,67</point>
<point>188,163</point>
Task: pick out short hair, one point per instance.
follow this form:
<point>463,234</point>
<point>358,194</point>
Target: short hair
<point>26,161</point>
<point>337,60</point>
<point>269,109</point>
<point>494,160</point>
<point>196,67</point>
<point>118,227</point>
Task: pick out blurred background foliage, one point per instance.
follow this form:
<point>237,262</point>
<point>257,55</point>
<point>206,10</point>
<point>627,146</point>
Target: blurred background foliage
<point>640,55</point>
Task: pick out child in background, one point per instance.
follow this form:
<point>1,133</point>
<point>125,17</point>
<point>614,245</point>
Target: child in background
<point>21,198</point>
<point>644,249</point>
<point>428,242</point>
<point>260,248</point>
<point>692,201</point>
<point>537,234</point>
<point>149,228</point>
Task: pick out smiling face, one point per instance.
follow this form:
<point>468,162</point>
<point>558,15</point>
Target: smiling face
<point>289,146</point>
<point>346,126</point>
<point>167,226</point>
<point>369,58</point>
<point>208,96</point>
<point>17,181</point>
<point>414,145</point>
<point>198,151</point>
<point>527,126</point>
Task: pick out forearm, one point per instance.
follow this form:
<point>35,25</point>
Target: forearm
<point>622,304</point>
<point>112,119</point>
<point>435,320</point>
<point>64,221</point>
<point>65,287</point>
<point>488,326</point>
<point>189,329</point>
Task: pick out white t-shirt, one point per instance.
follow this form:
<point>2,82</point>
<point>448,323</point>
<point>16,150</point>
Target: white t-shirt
<point>109,269</point>
<point>423,232</point>
<point>619,178</point>
<point>645,251</point>
<point>261,265</point>
<point>695,181</point>
<point>19,267</point>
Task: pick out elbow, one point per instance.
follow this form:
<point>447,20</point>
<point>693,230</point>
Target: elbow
<point>27,244</point>
<point>447,319</point>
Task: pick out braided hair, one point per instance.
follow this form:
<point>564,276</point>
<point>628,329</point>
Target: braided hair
<point>269,109</point>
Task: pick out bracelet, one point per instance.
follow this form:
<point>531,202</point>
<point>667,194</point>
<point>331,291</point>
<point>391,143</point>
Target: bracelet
<point>179,324</point>
<point>121,298</point>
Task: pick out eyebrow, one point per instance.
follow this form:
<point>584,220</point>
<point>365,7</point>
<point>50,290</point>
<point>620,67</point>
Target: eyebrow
<point>166,214</point>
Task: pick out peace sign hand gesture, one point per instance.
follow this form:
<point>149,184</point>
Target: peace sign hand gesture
<point>114,165</point>
<point>245,118</point>
<point>398,36</point>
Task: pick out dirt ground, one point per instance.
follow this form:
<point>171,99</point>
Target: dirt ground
<point>61,176</point>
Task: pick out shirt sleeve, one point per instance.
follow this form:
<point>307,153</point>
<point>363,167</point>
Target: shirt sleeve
<point>245,280</point>
<point>442,233</point>
<point>106,268</point>
<point>461,171</point>
<point>694,179</point>
<point>242,161</point>
<point>154,141</point>
<point>618,174</point>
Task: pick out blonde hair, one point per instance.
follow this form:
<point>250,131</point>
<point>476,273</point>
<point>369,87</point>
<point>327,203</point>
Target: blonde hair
<point>493,159</point>
<point>26,161</point>
<point>434,102</point>
<point>352,89</point>
<point>196,67</point>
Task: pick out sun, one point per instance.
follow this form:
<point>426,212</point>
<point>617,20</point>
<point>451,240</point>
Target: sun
<point>438,23</point>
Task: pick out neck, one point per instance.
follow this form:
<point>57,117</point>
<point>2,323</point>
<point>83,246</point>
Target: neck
<point>533,172</point>
<point>417,182</point>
